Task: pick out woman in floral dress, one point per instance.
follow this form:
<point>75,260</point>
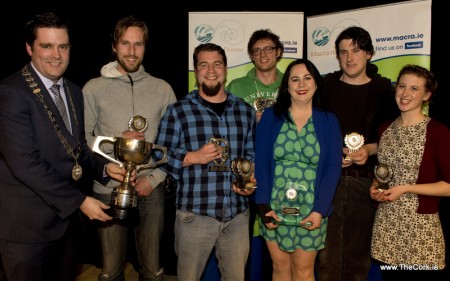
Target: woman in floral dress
<point>407,230</point>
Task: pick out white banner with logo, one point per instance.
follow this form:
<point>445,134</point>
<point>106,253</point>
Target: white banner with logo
<point>232,30</point>
<point>401,34</point>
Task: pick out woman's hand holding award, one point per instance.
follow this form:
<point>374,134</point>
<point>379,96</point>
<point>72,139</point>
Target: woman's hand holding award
<point>383,174</point>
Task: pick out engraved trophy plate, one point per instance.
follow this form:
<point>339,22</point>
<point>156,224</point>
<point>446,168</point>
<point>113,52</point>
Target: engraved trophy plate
<point>138,123</point>
<point>383,174</point>
<point>243,170</point>
<point>220,164</point>
<point>259,104</point>
<point>292,203</point>
<point>353,142</point>
<point>133,154</point>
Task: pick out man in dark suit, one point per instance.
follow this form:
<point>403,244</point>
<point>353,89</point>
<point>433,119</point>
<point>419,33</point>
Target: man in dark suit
<point>42,160</point>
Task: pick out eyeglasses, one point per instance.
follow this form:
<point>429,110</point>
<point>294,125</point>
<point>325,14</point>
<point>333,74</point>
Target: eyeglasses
<point>266,50</point>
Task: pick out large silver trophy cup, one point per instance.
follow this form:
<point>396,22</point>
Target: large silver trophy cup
<point>132,154</point>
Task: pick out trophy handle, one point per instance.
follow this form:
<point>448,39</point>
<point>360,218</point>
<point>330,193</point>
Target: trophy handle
<point>151,164</point>
<point>96,148</point>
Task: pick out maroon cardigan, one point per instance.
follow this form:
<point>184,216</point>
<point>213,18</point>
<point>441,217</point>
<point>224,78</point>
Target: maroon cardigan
<point>435,165</point>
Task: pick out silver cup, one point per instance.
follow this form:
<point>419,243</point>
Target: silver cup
<point>133,154</point>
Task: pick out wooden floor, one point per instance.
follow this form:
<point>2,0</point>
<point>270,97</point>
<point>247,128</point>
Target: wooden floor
<point>89,272</point>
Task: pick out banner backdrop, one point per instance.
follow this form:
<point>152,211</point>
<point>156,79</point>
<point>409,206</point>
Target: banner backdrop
<point>401,34</point>
<point>232,30</point>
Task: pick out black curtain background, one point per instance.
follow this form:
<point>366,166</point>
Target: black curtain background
<point>167,55</point>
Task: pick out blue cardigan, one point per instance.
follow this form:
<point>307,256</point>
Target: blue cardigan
<point>329,168</point>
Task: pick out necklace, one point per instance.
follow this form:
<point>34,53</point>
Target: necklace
<point>77,171</point>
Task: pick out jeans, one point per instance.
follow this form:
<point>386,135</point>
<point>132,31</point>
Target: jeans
<point>195,238</point>
<point>346,256</point>
<point>148,229</point>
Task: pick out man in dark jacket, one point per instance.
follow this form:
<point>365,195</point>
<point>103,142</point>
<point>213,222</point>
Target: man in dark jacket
<point>362,99</point>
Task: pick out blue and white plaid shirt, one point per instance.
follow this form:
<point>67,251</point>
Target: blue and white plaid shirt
<point>189,124</point>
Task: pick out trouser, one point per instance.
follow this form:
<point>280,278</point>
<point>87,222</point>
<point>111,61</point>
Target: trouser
<point>50,261</point>
<point>148,227</point>
<point>195,238</point>
<point>346,256</point>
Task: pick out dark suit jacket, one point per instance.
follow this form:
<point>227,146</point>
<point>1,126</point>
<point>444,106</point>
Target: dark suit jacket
<point>37,192</point>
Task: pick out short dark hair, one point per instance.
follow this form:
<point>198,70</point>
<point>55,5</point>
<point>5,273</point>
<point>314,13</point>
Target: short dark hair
<point>264,34</point>
<point>208,47</point>
<point>360,38</point>
<point>44,20</point>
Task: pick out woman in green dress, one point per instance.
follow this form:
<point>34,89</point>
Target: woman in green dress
<point>297,168</point>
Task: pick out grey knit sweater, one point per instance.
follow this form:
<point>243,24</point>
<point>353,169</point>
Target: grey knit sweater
<point>113,98</point>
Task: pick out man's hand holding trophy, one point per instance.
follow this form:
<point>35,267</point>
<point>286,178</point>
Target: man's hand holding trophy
<point>220,164</point>
<point>353,142</point>
<point>241,168</point>
<point>138,123</point>
<point>134,155</point>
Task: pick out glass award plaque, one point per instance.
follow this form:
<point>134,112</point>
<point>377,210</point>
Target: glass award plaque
<point>292,203</point>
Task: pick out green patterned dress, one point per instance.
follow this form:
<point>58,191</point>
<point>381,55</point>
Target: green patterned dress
<point>296,156</point>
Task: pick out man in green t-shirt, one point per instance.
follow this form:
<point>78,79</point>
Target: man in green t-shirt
<point>259,87</point>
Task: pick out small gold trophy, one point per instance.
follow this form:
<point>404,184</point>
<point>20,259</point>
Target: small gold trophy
<point>243,170</point>
<point>354,142</point>
<point>383,174</point>
<point>220,164</point>
<point>259,104</point>
<point>138,123</point>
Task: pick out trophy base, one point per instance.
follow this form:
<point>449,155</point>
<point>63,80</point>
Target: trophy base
<point>123,204</point>
<point>124,199</point>
<point>242,185</point>
<point>292,223</point>
<point>122,213</point>
<point>291,216</point>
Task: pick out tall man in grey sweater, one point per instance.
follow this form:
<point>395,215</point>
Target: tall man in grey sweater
<point>125,91</point>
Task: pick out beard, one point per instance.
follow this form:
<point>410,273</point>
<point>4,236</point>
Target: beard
<point>127,68</point>
<point>211,91</point>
